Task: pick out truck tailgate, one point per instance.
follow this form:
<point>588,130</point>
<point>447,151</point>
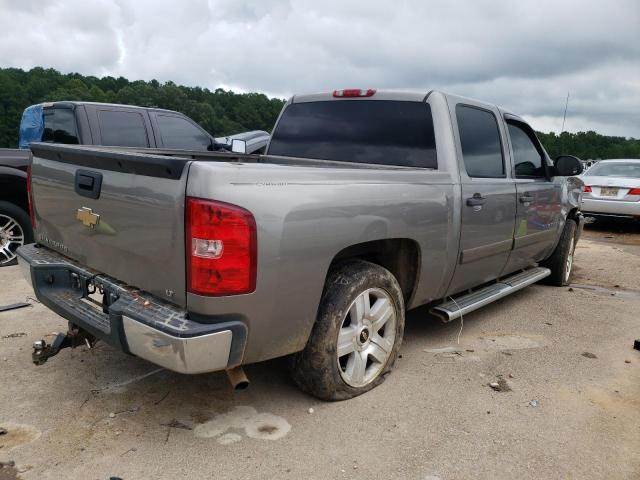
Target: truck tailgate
<point>119,213</point>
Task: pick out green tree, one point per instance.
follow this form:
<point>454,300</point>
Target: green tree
<point>589,145</point>
<point>220,112</point>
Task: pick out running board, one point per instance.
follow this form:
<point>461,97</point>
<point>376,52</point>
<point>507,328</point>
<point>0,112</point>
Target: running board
<point>469,302</point>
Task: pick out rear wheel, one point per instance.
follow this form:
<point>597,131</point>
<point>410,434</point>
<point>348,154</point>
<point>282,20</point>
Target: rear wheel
<point>15,231</point>
<point>355,340</point>
<point>561,260</point>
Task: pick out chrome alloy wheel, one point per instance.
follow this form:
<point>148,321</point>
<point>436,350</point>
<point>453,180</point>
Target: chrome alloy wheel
<point>569,264</point>
<point>11,237</point>
<point>366,337</point>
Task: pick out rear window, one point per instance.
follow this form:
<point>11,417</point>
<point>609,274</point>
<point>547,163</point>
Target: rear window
<point>122,129</point>
<point>60,126</point>
<point>371,131</point>
<point>604,169</point>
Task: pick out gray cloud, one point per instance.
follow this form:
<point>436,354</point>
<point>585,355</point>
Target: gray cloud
<point>523,55</point>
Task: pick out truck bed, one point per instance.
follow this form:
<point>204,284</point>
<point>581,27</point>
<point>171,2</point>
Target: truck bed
<point>15,158</point>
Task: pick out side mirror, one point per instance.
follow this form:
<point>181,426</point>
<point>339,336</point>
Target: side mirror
<point>238,146</point>
<point>568,166</point>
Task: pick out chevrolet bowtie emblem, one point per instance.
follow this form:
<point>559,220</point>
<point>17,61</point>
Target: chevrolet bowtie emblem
<point>87,217</point>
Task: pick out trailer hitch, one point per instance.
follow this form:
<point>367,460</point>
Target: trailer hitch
<point>42,351</point>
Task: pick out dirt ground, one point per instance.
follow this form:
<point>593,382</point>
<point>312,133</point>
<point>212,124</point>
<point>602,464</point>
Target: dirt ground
<point>564,356</point>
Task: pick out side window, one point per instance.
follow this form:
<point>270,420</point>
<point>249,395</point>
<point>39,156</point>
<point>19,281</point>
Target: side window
<point>122,129</point>
<point>60,126</point>
<point>528,158</point>
<point>177,132</point>
<point>480,141</point>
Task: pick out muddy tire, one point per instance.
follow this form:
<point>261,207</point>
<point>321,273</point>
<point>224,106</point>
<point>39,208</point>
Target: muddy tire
<point>358,331</point>
<point>561,260</point>
<point>15,231</point>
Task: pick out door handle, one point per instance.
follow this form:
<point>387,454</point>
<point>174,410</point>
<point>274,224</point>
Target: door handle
<point>526,198</point>
<point>88,183</point>
<point>476,200</point>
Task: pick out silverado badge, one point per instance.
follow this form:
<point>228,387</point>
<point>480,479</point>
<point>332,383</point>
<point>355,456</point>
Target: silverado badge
<point>87,217</point>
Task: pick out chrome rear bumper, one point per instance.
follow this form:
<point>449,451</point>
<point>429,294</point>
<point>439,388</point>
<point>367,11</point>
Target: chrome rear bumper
<point>203,353</point>
<point>131,320</point>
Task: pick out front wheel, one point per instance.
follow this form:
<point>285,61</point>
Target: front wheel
<point>15,231</point>
<point>355,340</point>
<point>561,260</point>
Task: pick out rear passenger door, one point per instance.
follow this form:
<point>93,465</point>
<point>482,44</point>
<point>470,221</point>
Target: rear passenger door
<point>122,127</point>
<point>488,196</point>
<point>539,203</point>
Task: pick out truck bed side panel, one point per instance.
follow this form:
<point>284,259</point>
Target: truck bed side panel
<point>305,217</point>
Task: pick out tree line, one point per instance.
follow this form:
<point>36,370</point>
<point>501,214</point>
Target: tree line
<point>589,145</point>
<point>220,112</point>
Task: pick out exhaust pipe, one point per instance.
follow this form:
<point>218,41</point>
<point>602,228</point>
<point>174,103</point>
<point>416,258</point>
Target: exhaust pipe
<point>238,379</point>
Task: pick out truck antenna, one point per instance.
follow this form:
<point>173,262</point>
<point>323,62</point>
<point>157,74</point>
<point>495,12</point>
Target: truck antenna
<point>564,117</point>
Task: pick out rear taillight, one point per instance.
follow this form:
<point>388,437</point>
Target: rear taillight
<point>634,191</point>
<point>221,248</point>
<point>586,189</point>
<point>32,215</point>
<point>354,92</point>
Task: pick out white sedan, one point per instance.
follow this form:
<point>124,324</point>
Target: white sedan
<point>612,189</point>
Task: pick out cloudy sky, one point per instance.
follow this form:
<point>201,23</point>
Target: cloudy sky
<point>524,55</point>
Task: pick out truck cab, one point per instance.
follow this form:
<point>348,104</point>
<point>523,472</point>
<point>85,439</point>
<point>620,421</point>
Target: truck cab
<point>88,123</point>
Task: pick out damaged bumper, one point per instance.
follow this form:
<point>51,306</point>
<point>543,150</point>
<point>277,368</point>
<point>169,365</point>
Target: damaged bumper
<point>128,319</point>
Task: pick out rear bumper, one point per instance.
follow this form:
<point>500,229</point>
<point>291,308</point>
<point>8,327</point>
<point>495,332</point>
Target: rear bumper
<point>610,207</point>
<point>130,320</point>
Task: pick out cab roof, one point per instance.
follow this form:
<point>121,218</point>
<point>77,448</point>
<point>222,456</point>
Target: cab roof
<point>405,95</point>
<point>74,103</point>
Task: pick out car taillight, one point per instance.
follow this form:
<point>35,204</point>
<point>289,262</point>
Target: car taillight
<point>586,189</point>
<point>354,92</point>
<point>32,214</point>
<point>634,191</point>
<point>221,248</point>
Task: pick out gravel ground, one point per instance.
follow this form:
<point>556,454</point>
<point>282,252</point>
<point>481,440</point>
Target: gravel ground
<point>564,354</point>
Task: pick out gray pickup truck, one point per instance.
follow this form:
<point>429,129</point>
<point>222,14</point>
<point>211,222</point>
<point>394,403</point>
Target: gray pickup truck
<point>366,203</point>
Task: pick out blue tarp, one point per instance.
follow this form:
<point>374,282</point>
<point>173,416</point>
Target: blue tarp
<point>31,126</point>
